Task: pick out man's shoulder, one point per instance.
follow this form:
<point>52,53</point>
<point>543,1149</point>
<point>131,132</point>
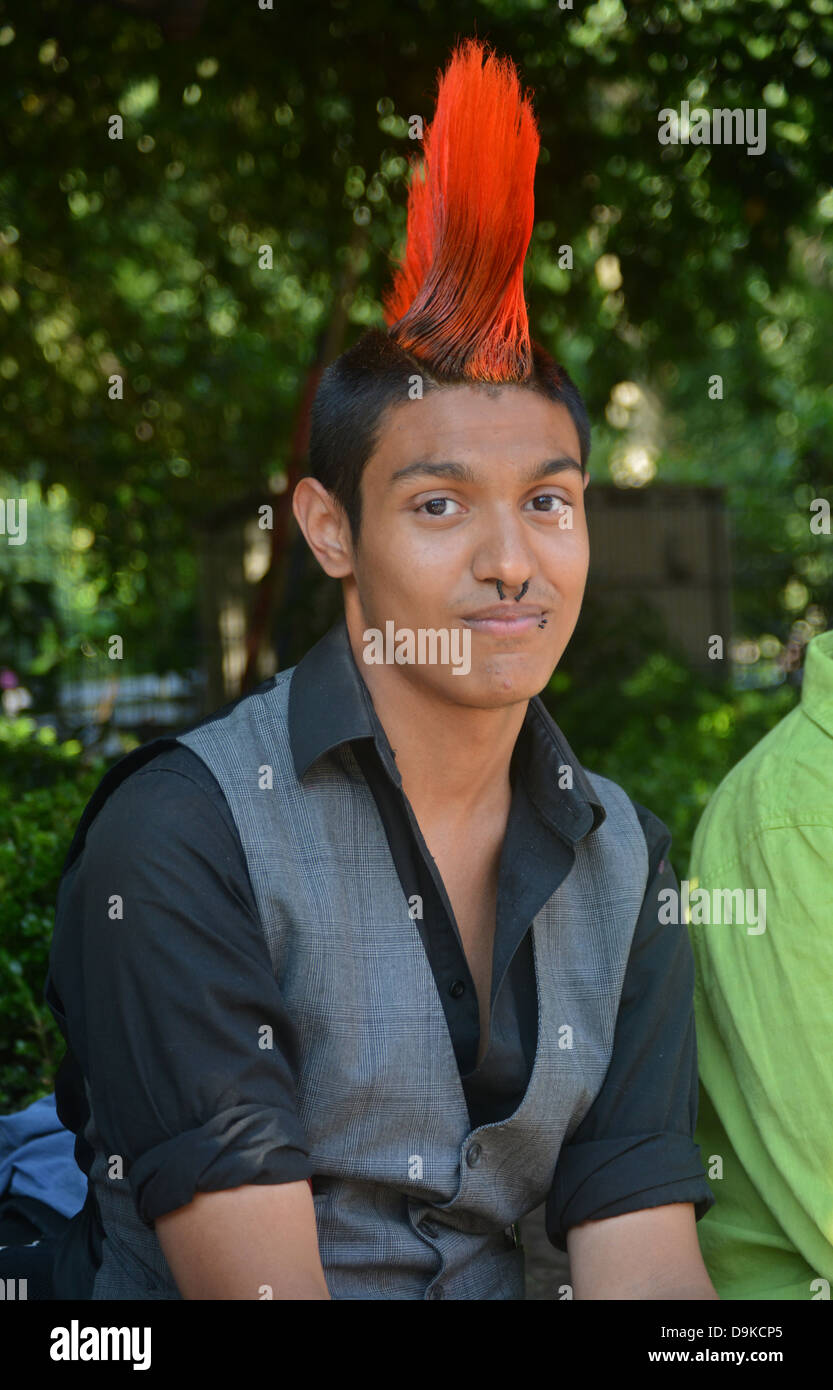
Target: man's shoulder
<point>768,787</point>
<point>271,691</point>
<point>613,795</point>
<point>151,790</point>
<point>163,783</point>
<point>250,717</point>
<point>625,818</point>
<point>176,754</point>
<point>185,776</point>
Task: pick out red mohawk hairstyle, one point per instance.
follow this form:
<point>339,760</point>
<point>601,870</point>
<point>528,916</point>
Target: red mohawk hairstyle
<point>457,299</point>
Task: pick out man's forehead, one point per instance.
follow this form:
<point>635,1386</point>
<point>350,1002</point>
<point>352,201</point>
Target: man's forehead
<point>474,424</point>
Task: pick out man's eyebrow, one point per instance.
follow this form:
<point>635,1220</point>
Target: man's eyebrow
<point>461,473</point>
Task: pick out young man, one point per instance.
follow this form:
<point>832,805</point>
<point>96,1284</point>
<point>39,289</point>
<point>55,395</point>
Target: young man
<point>372,924</point>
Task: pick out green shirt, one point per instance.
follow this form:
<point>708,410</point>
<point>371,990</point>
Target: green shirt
<point>764,1008</point>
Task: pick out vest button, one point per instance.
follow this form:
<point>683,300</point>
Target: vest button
<point>473,1155</point>
<point>456,989</point>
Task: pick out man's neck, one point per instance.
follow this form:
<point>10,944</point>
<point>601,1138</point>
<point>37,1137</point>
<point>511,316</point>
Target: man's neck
<point>453,759</point>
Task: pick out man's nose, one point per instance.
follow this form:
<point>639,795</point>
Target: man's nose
<point>504,554</point>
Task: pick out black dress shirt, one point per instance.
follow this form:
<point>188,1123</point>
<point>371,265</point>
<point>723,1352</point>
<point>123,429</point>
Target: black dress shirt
<point>161,1027</point>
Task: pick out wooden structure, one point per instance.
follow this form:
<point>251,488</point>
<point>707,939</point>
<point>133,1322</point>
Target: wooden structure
<point>666,546</point>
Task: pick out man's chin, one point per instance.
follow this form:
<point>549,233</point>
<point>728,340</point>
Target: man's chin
<point>494,682</point>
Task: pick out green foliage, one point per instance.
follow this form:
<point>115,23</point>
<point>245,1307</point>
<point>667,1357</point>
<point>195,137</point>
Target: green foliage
<point>665,736</point>
<point>44,787</point>
<point>140,257</point>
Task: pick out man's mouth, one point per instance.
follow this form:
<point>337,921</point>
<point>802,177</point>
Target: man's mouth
<point>499,620</point>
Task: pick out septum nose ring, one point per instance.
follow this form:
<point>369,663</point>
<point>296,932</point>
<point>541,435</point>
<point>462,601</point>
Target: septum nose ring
<point>518,597</point>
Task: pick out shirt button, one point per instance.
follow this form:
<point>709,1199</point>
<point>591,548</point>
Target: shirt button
<point>473,1155</point>
<point>456,989</point>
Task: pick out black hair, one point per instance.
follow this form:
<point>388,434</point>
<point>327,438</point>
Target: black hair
<point>358,387</point>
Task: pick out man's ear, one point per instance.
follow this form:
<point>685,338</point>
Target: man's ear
<point>325,527</point>
<point>586,480</point>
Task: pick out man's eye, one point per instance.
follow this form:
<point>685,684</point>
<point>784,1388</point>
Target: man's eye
<point>559,503</point>
<point>437,501</point>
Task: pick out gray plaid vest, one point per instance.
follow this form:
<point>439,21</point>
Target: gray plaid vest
<point>410,1202</point>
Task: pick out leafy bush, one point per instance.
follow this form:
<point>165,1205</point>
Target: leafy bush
<point>665,735</point>
<point>44,787</point>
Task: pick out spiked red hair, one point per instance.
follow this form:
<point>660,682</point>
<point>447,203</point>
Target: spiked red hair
<point>457,299</point>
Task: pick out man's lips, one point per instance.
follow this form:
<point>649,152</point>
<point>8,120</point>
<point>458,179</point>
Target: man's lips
<point>501,620</point>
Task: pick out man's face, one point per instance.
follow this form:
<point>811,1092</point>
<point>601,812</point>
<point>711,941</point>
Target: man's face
<point>433,542</point>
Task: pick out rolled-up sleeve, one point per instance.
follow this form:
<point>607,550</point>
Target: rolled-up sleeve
<point>635,1147</point>
<point>167,995</point>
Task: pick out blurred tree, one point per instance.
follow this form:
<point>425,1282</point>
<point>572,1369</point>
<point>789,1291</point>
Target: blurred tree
<point>164,293</point>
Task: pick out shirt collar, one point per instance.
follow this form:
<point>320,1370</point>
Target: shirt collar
<point>817,681</point>
<point>330,704</point>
